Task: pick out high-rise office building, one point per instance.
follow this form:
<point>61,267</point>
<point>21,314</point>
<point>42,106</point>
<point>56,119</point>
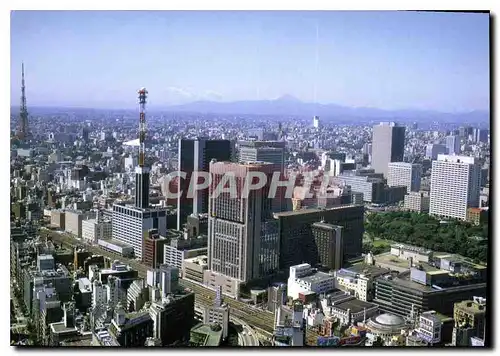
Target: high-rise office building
<point>480,135</point>
<point>388,146</point>
<point>243,239</point>
<point>433,150</point>
<point>263,151</point>
<point>266,151</point>
<point>465,131</point>
<point>455,186</point>
<point>328,244</point>
<point>406,174</point>
<point>195,155</point>
<point>297,240</point>
<point>453,145</point>
<point>316,122</point>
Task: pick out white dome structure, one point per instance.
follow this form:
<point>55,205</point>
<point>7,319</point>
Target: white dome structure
<point>387,325</point>
<point>389,320</point>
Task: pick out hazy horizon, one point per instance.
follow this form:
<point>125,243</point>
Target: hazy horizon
<point>386,60</point>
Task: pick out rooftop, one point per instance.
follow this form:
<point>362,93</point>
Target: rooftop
<point>403,280</point>
<point>310,211</point>
<point>206,335</point>
<point>114,242</point>
<point>78,342</point>
<point>317,277</point>
<point>325,225</point>
<point>84,285</point>
<point>200,260</point>
<point>411,248</point>
<point>355,305</point>
<point>391,261</point>
<point>363,268</point>
<point>60,328</point>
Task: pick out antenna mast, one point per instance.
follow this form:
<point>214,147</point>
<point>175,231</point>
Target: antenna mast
<point>23,112</point>
<point>142,125</point>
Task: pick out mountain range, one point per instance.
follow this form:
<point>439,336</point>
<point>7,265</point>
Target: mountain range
<point>290,106</point>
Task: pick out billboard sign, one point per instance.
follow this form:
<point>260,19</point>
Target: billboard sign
<point>331,341</point>
<point>350,340</point>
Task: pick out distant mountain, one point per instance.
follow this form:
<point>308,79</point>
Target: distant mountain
<point>289,105</point>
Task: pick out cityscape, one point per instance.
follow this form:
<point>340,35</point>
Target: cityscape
<point>249,179</point>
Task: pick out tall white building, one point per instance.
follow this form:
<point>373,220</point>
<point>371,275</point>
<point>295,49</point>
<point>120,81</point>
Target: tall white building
<point>316,122</point>
<point>453,145</point>
<point>455,186</point>
<point>407,174</point>
<point>433,150</point>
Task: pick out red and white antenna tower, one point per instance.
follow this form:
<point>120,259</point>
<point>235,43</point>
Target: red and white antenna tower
<point>143,93</point>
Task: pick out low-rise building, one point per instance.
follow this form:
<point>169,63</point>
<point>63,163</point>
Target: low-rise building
<point>57,219</point>
<point>387,327</point>
<point>131,329</point>
<point>304,278</point>
<point>206,335</point>
<point>477,216</point>
<point>407,252</point>
<point>417,201</point>
<point>194,268</point>
<point>435,286</point>
<point>347,309</point>
<point>218,314</point>
<point>73,221</point>
<point>94,230</point>
<point>359,280</point>
<point>470,320</point>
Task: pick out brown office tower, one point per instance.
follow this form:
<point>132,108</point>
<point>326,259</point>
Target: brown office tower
<point>243,240</point>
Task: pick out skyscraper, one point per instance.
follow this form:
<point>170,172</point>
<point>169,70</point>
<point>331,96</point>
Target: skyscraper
<point>316,122</point>
<point>297,243</point>
<point>453,145</point>
<point>328,245</point>
<point>455,186</point>
<point>432,150</point>
<point>480,135</point>
<point>271,152</point>
<point>263,151</point>
<point>407,174</point>
<point>243,239</point>
<point>195,155</point>
<point>388,146</point>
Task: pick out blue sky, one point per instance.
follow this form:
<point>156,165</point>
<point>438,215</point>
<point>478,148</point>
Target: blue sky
<point>389,60</point>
